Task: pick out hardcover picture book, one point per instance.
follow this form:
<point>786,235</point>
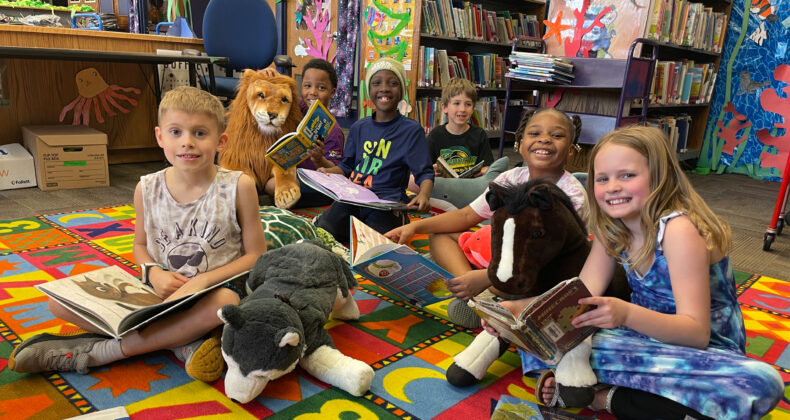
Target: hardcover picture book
<point>113,300</point>
<point>397,268</point>
<point>448,171</point>
<point>340,188</point>
<point>544,327</point>
<point>293,148</point>
<point>511,408</point>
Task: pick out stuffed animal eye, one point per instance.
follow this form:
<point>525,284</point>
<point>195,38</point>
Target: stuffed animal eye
<point>261,95</point>
<point>537,234</point>
<point>285,99</point>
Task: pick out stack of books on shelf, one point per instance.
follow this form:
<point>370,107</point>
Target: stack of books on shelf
<point>471,21</point>
<point>487,113</point>
<point>686,24</point>
<point>437,66</point>
<point>676,127</point>
<point>540,68</point>
<point>682,82</point>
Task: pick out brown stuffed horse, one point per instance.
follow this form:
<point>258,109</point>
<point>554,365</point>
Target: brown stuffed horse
<point>537,240</point>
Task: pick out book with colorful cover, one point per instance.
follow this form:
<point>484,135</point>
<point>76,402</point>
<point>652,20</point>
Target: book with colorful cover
<point>340,188</point>
<point>450,171</point>
<point>544,327</point>
<point>114,300</point>
<point>397,268</point>
<point>293,148</point>
<point>511,408</point>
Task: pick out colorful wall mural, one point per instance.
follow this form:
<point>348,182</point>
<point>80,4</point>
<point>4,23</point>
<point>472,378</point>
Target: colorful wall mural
<point>747,130</point>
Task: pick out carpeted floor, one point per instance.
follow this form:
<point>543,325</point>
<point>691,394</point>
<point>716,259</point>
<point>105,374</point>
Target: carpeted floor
<point>409,348</point>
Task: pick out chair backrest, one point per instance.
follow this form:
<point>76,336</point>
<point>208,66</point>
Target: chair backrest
<point>242,30</point>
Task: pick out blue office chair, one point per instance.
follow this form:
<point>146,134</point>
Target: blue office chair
<point>244,31</point>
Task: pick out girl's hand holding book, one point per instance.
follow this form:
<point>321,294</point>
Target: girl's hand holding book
<point>610,312</point>
<point>469,284</point>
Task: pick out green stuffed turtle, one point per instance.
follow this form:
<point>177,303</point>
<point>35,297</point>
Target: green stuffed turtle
<point>283,227</point>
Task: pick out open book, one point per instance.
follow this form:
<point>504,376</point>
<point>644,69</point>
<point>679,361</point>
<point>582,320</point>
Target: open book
<point>544,327</point>
<point>397,268</point>
<point>293,148</point>
<point>448,171</point>
<point>113,300</point>
<point>340,188</point>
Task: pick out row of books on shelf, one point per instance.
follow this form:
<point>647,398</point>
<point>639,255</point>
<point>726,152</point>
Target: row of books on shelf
<point>487,113</point>
<point>438,66</point>
<point>676,127</point>
<point>539,67</point>
<point>471,21</point>
<point>687,24</point>
<point>682,82</point>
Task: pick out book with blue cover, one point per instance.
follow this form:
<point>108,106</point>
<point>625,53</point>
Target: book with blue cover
<point>397,268</point>
<point>293,148</point>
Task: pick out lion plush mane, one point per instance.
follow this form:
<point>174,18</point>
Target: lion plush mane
<point>264,109</point>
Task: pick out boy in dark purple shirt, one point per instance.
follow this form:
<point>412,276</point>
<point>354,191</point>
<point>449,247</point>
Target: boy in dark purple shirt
<point>319,81</point>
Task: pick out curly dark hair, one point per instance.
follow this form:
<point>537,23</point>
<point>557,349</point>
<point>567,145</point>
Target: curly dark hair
<point>321,64</point>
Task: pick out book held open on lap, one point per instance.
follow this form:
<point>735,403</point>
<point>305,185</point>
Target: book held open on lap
<point>544,327</point>
<point>397,268</point>
<point>448,171</point>
<point>293,148</point>
<point>340,188</point>
<point>115,301</point>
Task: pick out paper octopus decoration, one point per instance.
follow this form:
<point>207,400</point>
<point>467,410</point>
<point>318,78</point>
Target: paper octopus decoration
<point>94,90</point>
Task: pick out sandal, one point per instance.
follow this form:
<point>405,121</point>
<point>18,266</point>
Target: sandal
<point>565,396</point>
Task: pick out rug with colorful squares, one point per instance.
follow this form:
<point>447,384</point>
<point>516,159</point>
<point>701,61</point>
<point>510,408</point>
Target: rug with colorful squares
<point>409,348</point>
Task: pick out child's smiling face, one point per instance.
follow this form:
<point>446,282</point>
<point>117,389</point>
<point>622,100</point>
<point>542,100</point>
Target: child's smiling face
<point>316,85</point>
<point>546,143</point>
<point>459,109</point>
<point>385,92</point>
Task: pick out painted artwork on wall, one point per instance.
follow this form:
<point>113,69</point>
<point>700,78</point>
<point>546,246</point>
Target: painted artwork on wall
<point>594,28</point>
<point>314,17</point>
<point>387,31</point>
<point>94,94</point>
<point>749,121</point>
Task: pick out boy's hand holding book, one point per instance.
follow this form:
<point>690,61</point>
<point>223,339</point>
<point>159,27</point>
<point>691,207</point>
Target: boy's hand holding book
<point>165,283</point>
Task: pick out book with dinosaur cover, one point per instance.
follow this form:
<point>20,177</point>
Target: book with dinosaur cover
<point>448,171</point>
<point>544,327</point>
<point>398,268</point>
<point>293,148</point>
<point>340,188</point>
<point>113,300</point>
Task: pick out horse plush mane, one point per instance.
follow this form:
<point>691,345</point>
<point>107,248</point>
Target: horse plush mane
<point>537,238</point>
<point>264,109</point>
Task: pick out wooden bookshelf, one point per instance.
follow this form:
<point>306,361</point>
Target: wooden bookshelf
<point>474,45</point>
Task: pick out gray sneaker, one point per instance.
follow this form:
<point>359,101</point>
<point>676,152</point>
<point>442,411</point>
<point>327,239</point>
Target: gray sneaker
<point>52,352</point>
<point>461,314</point>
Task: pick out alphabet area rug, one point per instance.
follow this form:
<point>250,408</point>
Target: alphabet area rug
<point>409,348</point>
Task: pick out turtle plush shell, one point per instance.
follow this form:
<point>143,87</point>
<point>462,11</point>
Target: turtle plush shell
<point>283,227</point>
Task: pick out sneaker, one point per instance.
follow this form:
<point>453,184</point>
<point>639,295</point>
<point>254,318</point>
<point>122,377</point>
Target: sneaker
<point>461,314</point>
<point>52,352</point>
<point>203,358</point>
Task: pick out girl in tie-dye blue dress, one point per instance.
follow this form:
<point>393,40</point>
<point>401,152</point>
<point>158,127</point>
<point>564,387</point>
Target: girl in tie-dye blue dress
<point>634,177</point>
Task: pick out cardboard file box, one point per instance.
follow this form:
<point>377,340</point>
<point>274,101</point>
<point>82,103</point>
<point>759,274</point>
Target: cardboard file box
<point>68,156</point>
<point>16,167</point>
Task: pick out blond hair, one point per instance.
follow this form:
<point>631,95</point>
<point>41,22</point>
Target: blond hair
<point>192,101</point>
<point>670,190</point>
<point>457,86</point>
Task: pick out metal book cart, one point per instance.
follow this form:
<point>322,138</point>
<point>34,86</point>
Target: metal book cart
<point>778,218</point>
<point>630,77</point>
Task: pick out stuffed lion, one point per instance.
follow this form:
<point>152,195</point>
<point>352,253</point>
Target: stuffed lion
<point>264,109</point>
